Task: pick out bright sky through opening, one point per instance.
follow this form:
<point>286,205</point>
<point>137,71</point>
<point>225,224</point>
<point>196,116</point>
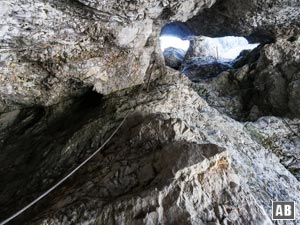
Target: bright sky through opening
<point>175,42</point>
<point>224,48</point>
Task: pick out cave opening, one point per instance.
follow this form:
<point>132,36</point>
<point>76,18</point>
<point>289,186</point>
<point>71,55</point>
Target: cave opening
<point>223,49</point>
<point>175,42</point>
<point>201,57</point>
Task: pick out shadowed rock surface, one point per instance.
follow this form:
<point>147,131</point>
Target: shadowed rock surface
<point>199,68</point>
<point>173,57</point>
<point>217,151</point>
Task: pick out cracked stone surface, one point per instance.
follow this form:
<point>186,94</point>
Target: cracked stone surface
<point>54,50</point>
<point>175,160</point>
<point>259,21</point>
<point>215,152</point>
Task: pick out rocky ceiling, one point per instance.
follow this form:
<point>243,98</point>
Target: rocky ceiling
<point>51,50</point>
<point>213,152</point>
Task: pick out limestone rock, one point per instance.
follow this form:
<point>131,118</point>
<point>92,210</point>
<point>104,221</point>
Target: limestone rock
<point>49,47</point>
<point>197,68</point>
<point>181,162</point>
<point>174,57</point>
<point>281,136</point>
<point>278,75</point>
<point>259,21</point>
<point>216,151</point>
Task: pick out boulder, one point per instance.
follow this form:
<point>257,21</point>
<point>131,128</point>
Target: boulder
<point>174,57</point>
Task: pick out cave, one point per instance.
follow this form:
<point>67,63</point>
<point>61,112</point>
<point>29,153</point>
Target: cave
<point>149,112</point>
<point>200,57</point>
<point>175,42</point>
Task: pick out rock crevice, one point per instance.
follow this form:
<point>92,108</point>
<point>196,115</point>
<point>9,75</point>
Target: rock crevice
<point>217,151</point>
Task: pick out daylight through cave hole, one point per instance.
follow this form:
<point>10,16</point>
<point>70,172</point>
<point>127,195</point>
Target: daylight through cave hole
<point>174,43</point>
<point>184,51</point>
<point>224,49</point>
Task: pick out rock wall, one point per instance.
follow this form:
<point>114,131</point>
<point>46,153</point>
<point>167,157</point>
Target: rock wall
<point>53,50</point>
<point>263,82</point>
<point>258,21</point>
<point>213,152</point>
<point>176,160</point>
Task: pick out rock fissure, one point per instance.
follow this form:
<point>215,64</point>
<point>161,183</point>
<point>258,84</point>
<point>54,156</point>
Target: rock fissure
<point>211,142</point>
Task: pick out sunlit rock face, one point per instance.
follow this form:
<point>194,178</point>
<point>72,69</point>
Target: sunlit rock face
<point>224,49</point>
<point>200,50</point>
<point>213,152</point>
<point>207,57</point>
